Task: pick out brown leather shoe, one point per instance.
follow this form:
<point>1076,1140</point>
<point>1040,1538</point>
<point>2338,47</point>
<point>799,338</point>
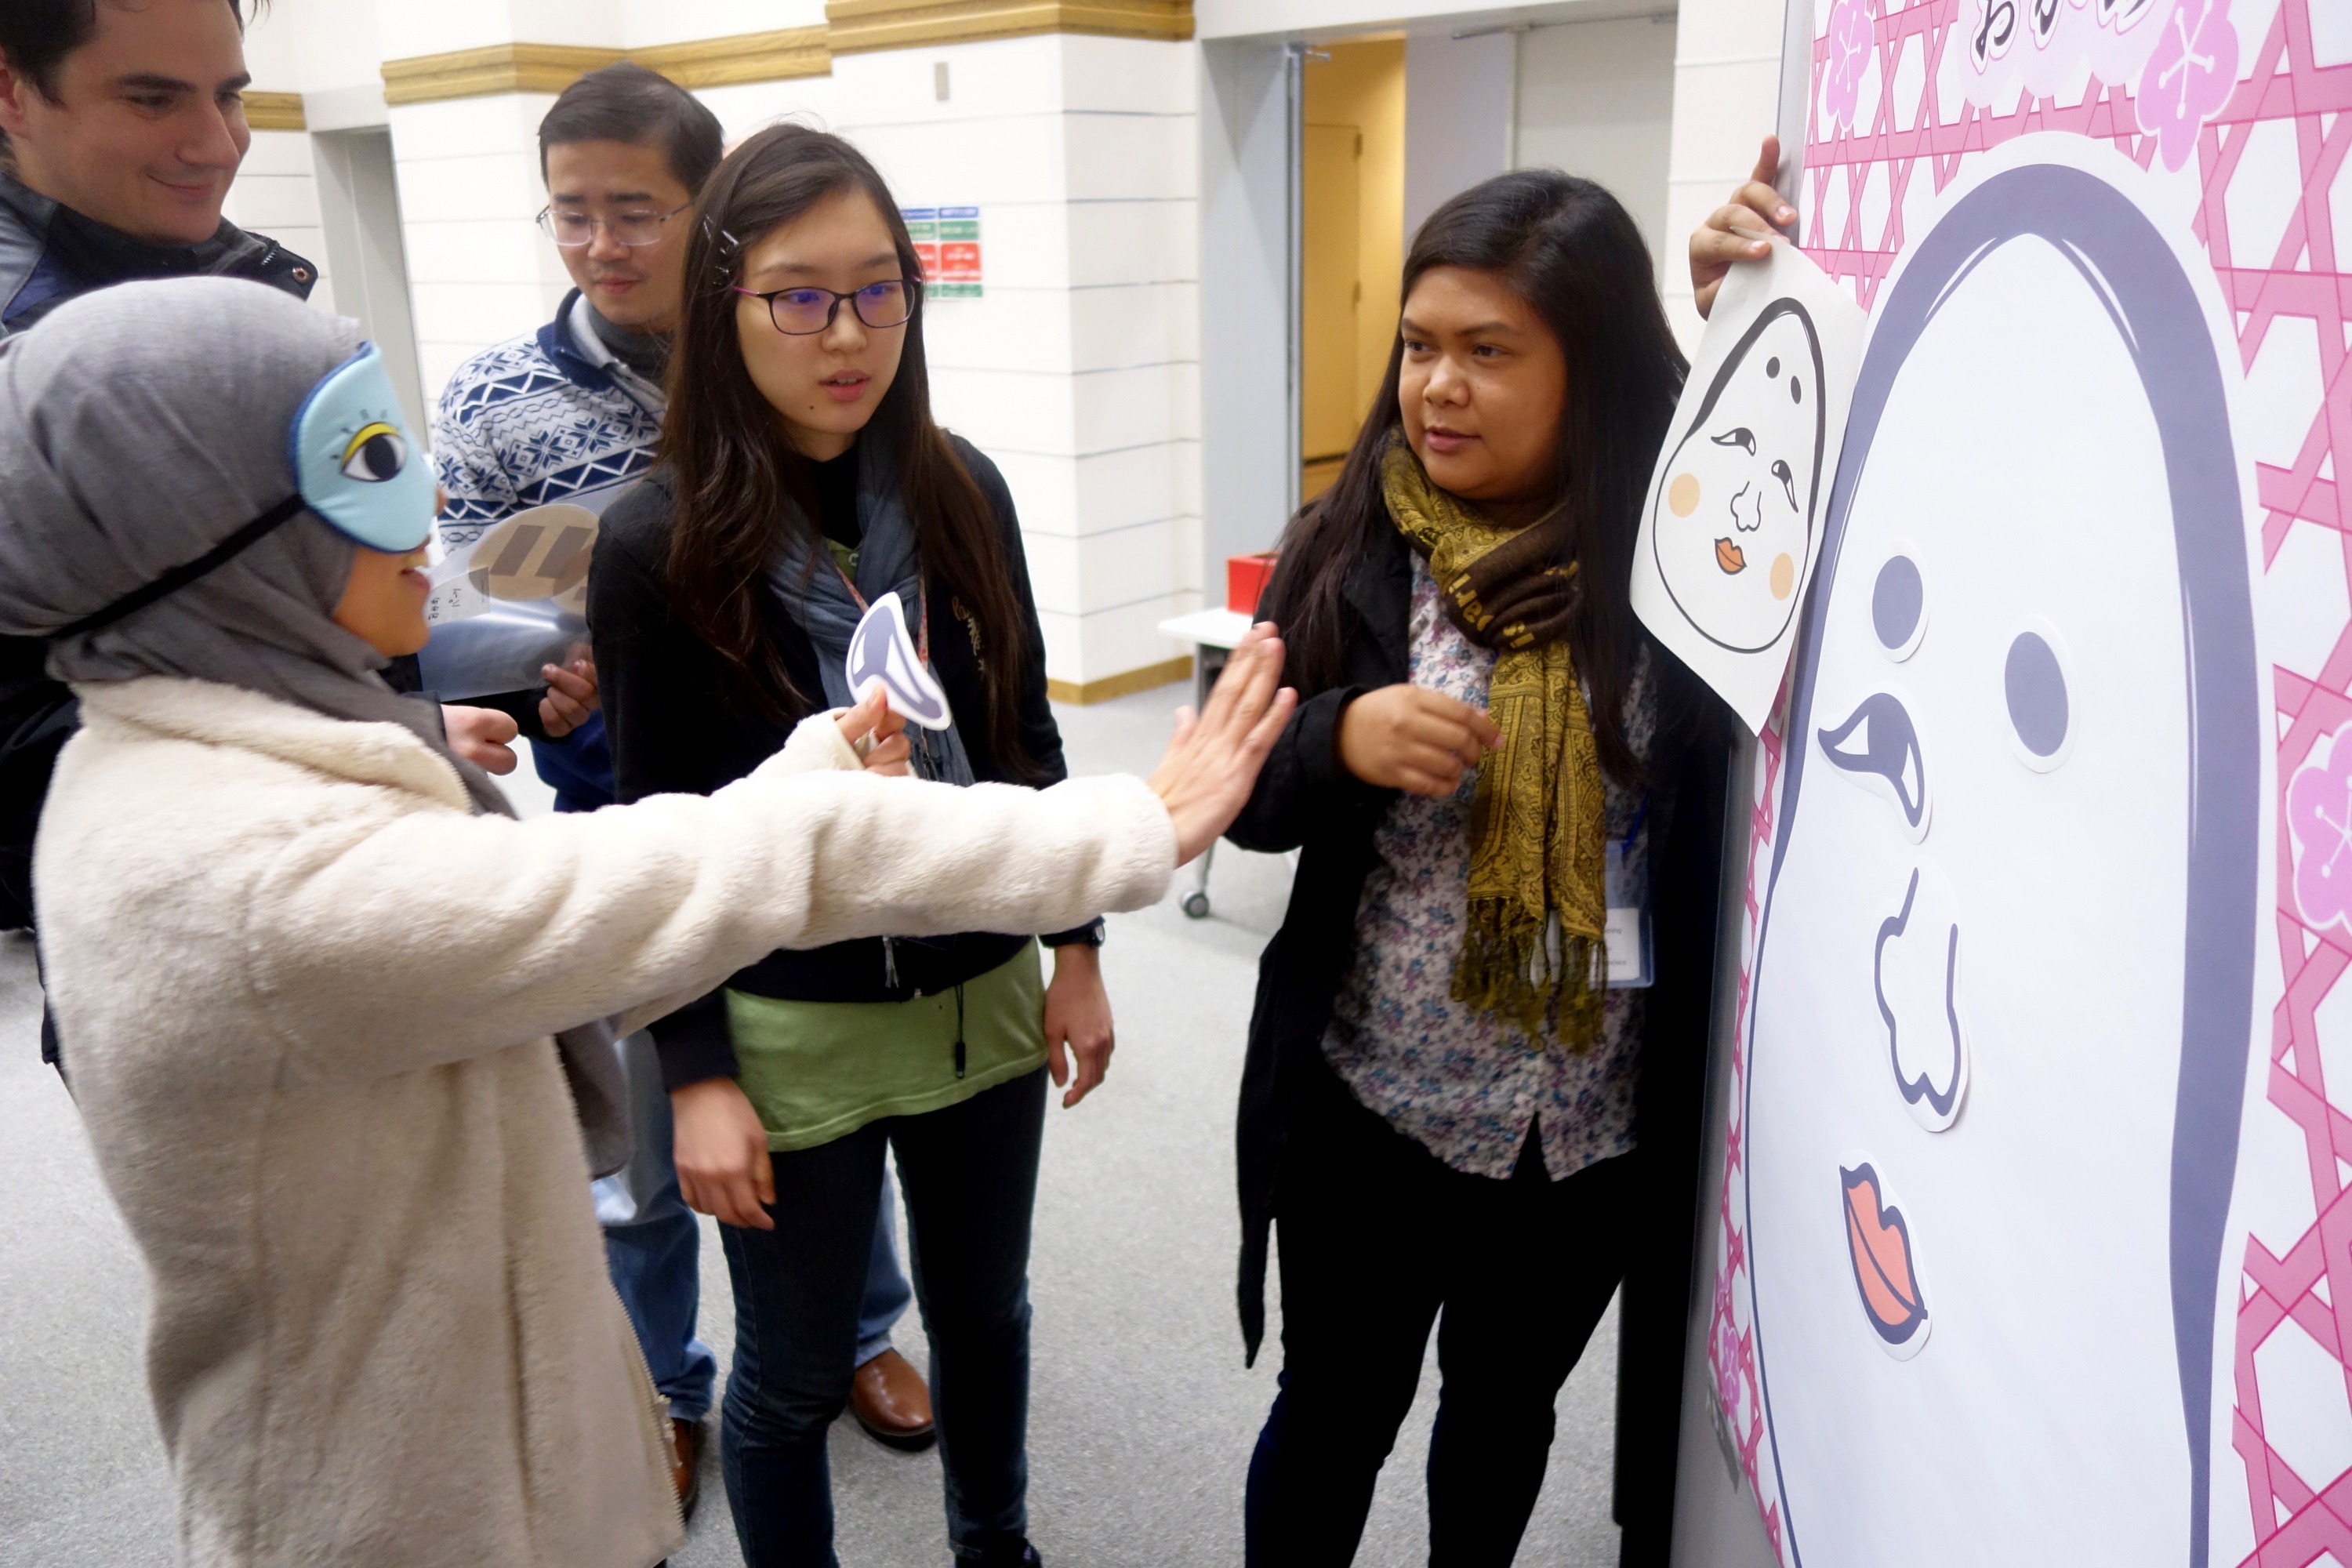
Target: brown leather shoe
<point>889,1400</point>
<point>684,1473</point>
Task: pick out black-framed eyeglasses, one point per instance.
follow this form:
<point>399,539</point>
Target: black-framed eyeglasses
<point>803,310</point>
<point>572,229</point>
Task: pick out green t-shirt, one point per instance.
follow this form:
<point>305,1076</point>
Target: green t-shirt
<point>817,1071</point>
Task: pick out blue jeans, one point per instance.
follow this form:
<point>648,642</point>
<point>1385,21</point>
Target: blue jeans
<point>653,1247</point>
<point>653,1243</point>
<point>970,1175</point>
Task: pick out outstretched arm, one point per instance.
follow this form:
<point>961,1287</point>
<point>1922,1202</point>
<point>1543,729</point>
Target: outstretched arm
<point>389,945</point>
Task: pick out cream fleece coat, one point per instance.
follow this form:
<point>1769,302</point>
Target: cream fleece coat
<point>306,1003</point>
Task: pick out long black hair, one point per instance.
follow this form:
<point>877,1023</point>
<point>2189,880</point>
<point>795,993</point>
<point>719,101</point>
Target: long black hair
<point>1567,248</point>
<point>738,480</point>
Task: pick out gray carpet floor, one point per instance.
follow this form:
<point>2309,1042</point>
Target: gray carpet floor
<point>1141,1417</point>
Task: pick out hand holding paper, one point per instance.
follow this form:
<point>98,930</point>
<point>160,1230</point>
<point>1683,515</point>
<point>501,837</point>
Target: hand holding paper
<point>882,656</point>
<point>1732,524</point>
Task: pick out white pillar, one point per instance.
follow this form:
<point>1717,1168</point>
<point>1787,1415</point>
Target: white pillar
<point>1077,370</point>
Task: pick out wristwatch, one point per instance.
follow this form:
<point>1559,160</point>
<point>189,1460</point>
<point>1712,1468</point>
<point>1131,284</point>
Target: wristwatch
<point>1090,935</point>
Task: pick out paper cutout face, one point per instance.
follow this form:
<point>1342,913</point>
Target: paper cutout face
<point>355,461</point>
<point>881,652</point>
<point>2006,947</point>
<point>1734,518</point>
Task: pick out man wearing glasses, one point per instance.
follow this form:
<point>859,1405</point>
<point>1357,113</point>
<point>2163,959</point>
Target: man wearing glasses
<point>571,413</point>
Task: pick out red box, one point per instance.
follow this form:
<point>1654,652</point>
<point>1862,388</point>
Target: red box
<point>1245,579</point>
<point>959,260</point>
<point>927,260</point>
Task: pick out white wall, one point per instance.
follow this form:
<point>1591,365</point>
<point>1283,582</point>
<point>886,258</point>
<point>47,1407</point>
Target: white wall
<point>649,22</point>
<point>1078,370</point>
<point>1457,117</point>
<point>1597,100</point>
<point>1727,101</point>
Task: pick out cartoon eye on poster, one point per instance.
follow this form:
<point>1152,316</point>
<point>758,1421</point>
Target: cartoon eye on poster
<point>512,601</point>
<point>1731,528</point>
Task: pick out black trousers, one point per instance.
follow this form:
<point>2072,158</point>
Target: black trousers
<point>969,1173</point>
<point>1378,1240</point>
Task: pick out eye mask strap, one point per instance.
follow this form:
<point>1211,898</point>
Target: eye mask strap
<point>179,577</point>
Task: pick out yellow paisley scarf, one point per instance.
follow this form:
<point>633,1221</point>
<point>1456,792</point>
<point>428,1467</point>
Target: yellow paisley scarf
<point>1537,819</point>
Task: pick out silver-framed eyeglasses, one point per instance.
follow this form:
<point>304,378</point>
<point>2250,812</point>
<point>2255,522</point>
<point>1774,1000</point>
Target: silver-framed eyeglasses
<point>805,309</point>
<point>575,229</point>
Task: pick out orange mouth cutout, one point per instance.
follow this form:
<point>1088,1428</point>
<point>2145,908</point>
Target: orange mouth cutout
<point>1728,557</point>
<point>1880,1242</point>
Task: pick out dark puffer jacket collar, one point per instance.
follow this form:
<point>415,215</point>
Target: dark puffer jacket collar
<point>50,253</point>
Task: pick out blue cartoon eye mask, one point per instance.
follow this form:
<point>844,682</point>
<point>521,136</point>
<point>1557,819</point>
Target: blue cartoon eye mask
<point>354,462</point>
<point>355,465</point>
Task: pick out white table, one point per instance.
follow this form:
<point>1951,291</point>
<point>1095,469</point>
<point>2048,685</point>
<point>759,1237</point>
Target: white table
<point>1213,634</point>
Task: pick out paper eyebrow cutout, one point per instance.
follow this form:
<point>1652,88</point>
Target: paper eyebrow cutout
<point>880,650</point>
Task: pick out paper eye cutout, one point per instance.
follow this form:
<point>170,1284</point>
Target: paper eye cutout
<point>375,453</point>
<point>2041,718</point>
<point>1878,748</point>
<point>1898,606</point>
<point>880,651</point>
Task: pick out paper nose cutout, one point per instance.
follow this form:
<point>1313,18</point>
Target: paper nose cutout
<point>1916,971</point>
<point>1878,1238</point>
<point>880,650</point>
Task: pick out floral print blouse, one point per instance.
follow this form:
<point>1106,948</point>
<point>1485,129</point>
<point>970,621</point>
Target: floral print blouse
<point>1465,1083</point>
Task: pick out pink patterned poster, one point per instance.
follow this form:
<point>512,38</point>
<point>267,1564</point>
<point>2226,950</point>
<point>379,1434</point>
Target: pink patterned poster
<point>2032,1215</point>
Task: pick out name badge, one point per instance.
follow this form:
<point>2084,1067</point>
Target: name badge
<point>1626,928</point>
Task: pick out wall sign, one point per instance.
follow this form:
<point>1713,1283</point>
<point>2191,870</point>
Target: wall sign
<point>947,243</point>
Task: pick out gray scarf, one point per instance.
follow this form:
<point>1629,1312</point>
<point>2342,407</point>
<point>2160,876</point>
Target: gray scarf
<point>820,602</point>
<point>139,426</point>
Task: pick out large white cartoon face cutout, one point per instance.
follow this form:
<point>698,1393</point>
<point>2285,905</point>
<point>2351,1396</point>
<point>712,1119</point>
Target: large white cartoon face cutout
<point>1735,517</point>
<point>1985,1085</point>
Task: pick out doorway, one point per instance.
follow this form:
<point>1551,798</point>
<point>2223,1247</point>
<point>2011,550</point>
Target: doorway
<point>1351,244</point>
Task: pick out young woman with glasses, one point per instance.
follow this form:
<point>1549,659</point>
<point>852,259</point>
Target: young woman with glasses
<point>801,477</point>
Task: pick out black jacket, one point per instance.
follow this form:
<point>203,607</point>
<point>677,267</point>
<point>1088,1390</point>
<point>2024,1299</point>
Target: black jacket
<point>1305,800</point>
<point>673,732</point>
<point>49,254</point>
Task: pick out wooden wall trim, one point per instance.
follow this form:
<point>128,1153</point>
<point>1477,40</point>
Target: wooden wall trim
<point>852,27</point>
<point>1123,684</point>
<point>779,56</point>
<point>860,25</point>
<point>274,111</point>
<point>501,68</point>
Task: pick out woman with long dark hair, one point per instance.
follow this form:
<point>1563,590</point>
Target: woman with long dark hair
<point>1444,1090</point>
<point>802,477</point>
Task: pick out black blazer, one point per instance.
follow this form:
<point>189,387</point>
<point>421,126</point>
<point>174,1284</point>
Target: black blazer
<point>673,732</point>
<point>1305,800</point>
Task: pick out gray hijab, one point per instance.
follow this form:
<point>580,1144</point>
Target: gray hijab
<point>142,426</point>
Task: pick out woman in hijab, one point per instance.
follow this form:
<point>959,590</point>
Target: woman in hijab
<point>306,966</point>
